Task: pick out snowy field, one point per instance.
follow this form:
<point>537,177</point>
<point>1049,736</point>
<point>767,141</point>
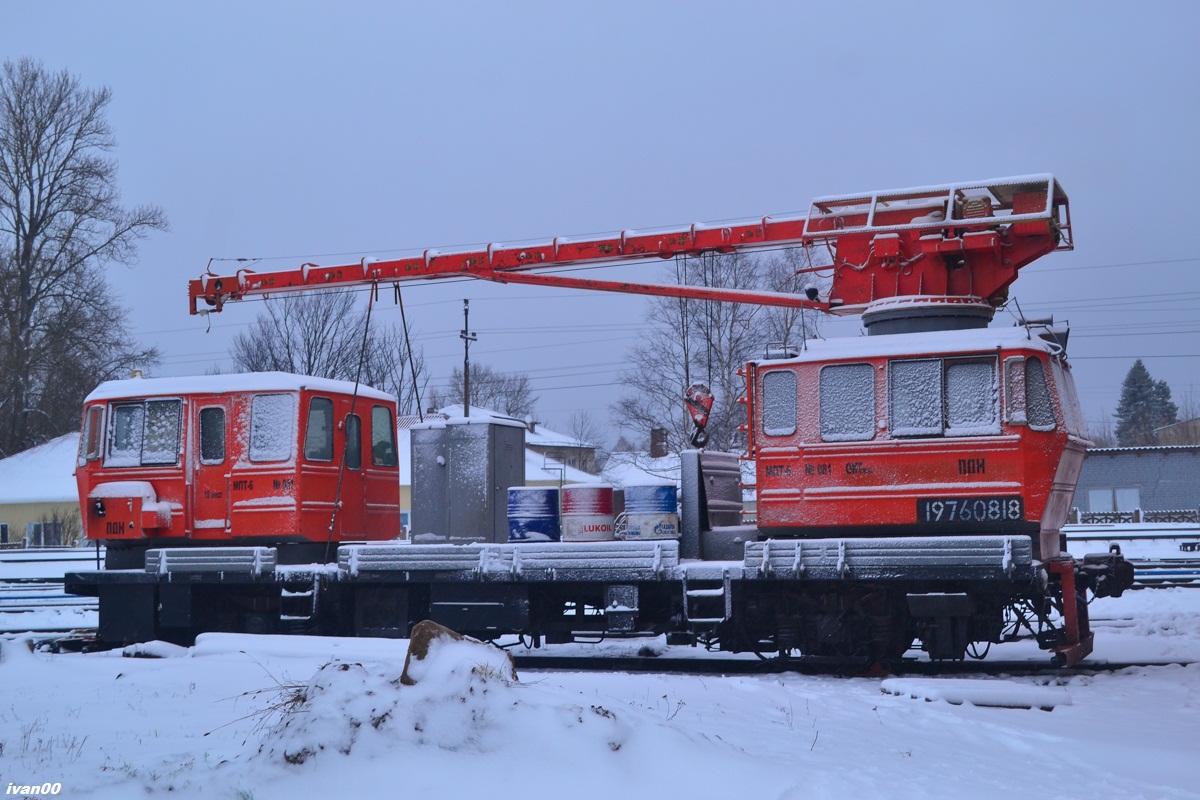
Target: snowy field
<point>297,717</point>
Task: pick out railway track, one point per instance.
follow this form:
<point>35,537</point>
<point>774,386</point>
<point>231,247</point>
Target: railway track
<point>31,589</point>
<point>802,666</point>
<point>1166,573</point>
<point>27,596</point>
<point>1162,554</point>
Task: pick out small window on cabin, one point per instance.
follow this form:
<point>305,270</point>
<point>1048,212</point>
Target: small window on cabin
<point>1038,405</point>
<point>272,427</point>
<point>212,435</point>
<point>318,436</point>
<point>847,402</point>
<point>125,436</point>
<point>160,444</point>
<point>972,402</point>
<point>915,397</point>
<point>353,441</point>
<point>779,403</point>
<point>383,437</point>
<point>1014,390</point>
<point>92,439</point>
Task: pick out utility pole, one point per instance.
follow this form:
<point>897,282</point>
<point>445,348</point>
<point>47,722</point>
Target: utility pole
<point>467,336</point>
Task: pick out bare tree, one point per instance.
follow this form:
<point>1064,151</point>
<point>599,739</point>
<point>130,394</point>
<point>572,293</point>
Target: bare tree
<point>792,270</point>
<point>322,334</point>
<point>584,428</point>
<point>1101,432</point>
<point>699,341</point>
<point>61,221</point>
<point>509,393</point>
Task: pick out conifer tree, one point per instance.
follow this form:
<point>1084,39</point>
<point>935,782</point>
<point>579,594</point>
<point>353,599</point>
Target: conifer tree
<point>1145,406</point>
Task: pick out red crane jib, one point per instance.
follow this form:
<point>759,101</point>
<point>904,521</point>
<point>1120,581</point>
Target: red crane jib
<point>953,240</point>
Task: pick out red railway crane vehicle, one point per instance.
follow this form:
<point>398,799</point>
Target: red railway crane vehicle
<point>911,484</point>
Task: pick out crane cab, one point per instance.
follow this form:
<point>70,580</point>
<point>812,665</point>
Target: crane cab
<point>917,434</point>
<point>237,459</point>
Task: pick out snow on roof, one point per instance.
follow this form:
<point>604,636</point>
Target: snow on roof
<point>538,437</point>
<point>639,469</point>
<point>452,415</point>
<point>932,344</point>
<point>1154,448</point>
<point>538,467</point>
<point>406,422</point>
<point>542,469</point>
<point>216,384</point>
<point>42,474</point>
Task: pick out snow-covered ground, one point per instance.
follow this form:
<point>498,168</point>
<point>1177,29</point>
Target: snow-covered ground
<point>296,717</point>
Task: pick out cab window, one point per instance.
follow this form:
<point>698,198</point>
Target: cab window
<point>353,441</point>
<point>93,434</point>
<point>943,397</point>
<point>779,403</point>
<point>212,435</point>
<point>383,437</point>
<point>847,397</point>
<point>318,435</point>
<point>272,427</point>
<point>125,436</point>
<point>144,433</point>
<point>1039,408</point>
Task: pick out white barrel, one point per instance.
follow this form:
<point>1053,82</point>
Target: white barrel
<point>651,512</point>
<point>587,512</point>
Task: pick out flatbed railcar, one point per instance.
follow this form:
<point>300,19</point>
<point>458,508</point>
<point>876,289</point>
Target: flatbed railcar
<point>911,484</point>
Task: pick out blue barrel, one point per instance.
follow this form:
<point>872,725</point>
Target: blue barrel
<point>533,514</point>
<point>651,512</point>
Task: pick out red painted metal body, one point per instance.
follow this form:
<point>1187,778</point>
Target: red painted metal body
<point>265,457</point>
<point>917,434</point>
<point>953,240</point>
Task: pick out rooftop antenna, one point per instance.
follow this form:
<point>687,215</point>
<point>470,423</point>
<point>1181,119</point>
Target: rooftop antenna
<point>468,336</point>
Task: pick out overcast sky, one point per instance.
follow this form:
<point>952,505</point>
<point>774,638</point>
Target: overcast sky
<point>296,131</point>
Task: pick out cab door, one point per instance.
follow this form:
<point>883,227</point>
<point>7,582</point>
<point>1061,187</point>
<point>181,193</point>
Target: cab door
<point>352,509</point>
<point>211,473</point>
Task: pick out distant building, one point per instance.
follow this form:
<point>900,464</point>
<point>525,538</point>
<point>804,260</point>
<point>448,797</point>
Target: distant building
<point>1125,479</point>
<point>632,468</point>
<point>560,447</point>
<point>1181,433</point>
<point>39,502</point>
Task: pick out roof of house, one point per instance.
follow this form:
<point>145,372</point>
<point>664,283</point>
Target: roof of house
<point>543,469</point>
<point>1156,448</point>
<point>42,474</point>
<point>540,436</point>
<point>538,467</point>
<point>639,469</point>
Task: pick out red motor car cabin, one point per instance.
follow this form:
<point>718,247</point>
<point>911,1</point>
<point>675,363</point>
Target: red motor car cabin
<point>264,457</point>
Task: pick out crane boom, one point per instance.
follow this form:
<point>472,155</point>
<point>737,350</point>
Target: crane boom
<point>962,240</point>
